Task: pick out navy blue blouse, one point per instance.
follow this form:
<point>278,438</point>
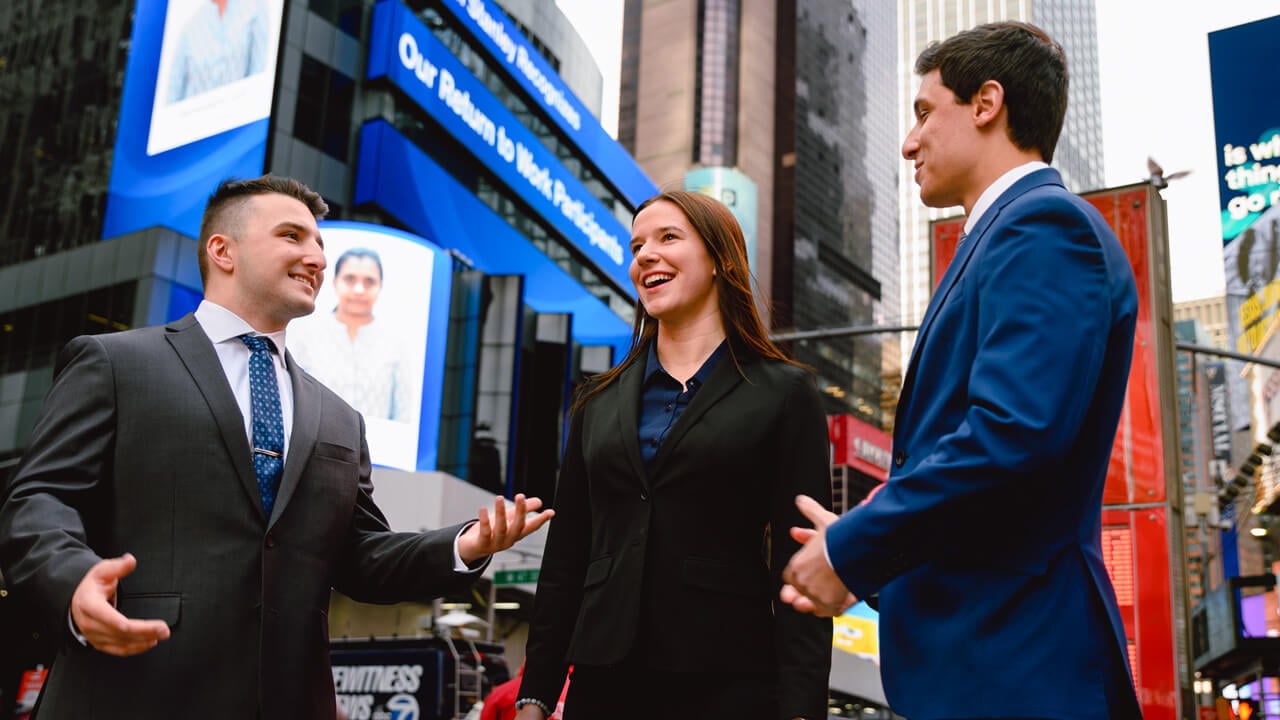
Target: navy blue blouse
<point>662,400</point>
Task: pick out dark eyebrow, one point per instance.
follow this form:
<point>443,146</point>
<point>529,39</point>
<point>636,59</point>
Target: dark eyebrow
<point>300,228</point>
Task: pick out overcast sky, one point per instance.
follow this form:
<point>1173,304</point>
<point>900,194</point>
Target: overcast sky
<point>1154,60</point>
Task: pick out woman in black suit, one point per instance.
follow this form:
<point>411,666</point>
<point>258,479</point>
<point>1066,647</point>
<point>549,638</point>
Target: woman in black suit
<point>677,492</point>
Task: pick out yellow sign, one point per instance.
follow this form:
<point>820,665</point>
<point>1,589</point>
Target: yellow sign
<point>857,636</point>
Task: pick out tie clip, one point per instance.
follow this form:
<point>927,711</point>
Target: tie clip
<point>271,453</point>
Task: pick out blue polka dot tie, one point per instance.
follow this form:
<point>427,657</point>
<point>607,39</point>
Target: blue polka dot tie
<point>268,422</point>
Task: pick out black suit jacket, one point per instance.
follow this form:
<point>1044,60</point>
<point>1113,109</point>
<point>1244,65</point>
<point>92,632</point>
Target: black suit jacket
<point>141,448</point>
<point>679,557</point>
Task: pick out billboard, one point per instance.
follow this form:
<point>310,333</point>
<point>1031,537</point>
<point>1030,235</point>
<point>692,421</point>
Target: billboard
<point>736,191</point>
<point>378,335</point>
<point>1142,547</point>
<point>866,448</point>
<point>195,108</point>
<point>1246,113</point>
<point>485,22</point>
<point>401,179</point>
<point>394,683</point>
<point>406,52</point>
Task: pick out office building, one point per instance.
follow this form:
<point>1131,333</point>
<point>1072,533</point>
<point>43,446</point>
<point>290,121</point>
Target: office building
<point>783,110</point>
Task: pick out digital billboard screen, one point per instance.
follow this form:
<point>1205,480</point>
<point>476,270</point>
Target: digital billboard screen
<point>512,51</point>
<point>217,66</point>
<point>194,111</point>
<point>1246,116</point>
<point>405,51</point>
<point>737,191</point>
<point>377,337</point>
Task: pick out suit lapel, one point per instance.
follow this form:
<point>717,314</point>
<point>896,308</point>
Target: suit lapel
<point>724,378</point>
<point>956,268</point>
<point>628,389</point>
<point>197,354</point>
<point>302,441</point>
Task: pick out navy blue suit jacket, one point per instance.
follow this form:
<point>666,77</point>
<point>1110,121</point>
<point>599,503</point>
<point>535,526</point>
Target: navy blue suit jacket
<point>984,545</point>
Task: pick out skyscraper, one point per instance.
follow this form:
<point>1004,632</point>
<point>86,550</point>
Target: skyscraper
<point>1079,153</point>
<point>793,103</point>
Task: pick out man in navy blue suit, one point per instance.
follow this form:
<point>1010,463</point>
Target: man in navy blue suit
<point>984,545</point>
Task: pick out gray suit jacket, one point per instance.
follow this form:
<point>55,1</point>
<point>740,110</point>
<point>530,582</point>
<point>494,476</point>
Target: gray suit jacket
<point>141,448</point>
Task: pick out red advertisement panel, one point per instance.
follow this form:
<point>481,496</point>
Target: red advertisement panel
<point>1135,548</point>
<point>1135,542</point>
<point>859,445</point>
<point>1136,474</point>
<point>946,236</point>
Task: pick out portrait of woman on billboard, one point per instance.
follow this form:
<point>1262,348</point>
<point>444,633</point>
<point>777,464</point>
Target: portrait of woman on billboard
<point>216,69</point>
<point>367,337</point>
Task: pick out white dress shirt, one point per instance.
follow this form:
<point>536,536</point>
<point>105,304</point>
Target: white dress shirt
<point>997,188</point>
<point>224,329</point>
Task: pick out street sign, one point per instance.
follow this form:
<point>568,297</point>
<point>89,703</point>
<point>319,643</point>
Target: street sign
<point>515,577</point>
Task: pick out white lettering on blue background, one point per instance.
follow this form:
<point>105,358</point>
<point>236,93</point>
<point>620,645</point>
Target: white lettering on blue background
<point>550,92</point>
<point>491,27</point>
<point>459,101</point>
<point>415,61</point>
<point>539,175</point>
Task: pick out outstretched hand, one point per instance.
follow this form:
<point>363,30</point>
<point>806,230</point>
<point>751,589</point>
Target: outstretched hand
<point>507,526</point>
<point>105,628</point>
<point>812,586</point>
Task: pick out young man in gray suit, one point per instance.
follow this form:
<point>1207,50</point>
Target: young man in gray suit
<point>189,496</point>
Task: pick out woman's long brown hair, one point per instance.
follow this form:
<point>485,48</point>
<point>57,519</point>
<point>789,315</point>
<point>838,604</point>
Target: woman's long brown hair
<point>722,236</point>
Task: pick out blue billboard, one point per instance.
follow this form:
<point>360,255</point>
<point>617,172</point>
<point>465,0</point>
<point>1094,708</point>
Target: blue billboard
<point>505,44</point>
<point>195,108</point>
<point>1246,116</point>
<point>404,50</point>
<point>402,180</point>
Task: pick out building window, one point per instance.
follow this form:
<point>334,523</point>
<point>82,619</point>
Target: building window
<point>346,15</point>
<point>322,117</point>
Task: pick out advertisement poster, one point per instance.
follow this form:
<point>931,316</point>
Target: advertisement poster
<point>194,111</point>
<point>1246,116</point>
<point>377,336</point>
<point>217,68</point>
<point>400,684</point>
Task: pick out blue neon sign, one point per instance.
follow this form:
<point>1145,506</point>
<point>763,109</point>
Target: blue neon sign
<point>507,46</point>
<point>398,177</point>
<point>405,51</point>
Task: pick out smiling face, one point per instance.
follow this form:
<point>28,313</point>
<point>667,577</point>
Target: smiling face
<point>671,269</point>
<point>270,265</point>
<point>944,146</point>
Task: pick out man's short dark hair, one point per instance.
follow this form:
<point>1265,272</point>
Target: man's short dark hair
<point>1027,63</point>
<point>222,212</point>
<point>356,253</point>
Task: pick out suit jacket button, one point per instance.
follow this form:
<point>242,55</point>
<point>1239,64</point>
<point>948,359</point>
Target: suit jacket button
<point>899,458</point>
<point>271,540</point>
<point>644,496</point>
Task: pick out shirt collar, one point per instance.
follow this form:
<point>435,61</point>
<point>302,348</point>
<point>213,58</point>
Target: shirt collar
<point>653,366</point>
<point>222,325</point>
<point>996,189</point>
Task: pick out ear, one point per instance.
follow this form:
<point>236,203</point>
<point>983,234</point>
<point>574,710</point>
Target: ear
<point>987,103</point>
<point>219,252</point>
